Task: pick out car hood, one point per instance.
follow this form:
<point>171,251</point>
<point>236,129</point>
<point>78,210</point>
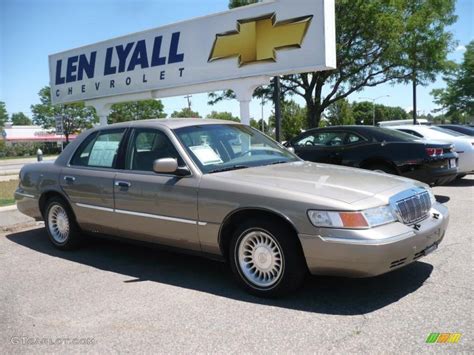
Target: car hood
<point>322,180</point>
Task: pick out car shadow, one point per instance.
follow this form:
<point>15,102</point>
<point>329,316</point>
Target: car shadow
<point>462,182</point>
<point>442,198</point>
<point>326,295</point>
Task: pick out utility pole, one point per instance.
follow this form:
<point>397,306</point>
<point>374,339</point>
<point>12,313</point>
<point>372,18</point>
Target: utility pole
<point>188,97</point>
<point>263,123</point>
<point>414,97</point>
<point>277,103</point>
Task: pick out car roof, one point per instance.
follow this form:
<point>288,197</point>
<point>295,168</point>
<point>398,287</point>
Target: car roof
<point>355,128</point>
<point>171,123</point>
<point>413,127</point>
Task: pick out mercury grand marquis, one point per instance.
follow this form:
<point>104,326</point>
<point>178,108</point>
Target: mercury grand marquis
<point>225,190</point>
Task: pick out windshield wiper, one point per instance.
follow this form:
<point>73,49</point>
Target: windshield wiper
<point>228,168</point>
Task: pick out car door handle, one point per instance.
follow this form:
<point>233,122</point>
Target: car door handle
<point>69,179</point>
<point>123,183</point>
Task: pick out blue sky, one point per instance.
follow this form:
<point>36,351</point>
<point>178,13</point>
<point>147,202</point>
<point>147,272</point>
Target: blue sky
<point>30,30</point>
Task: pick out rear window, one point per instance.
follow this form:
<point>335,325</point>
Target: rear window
<point>392,135</point>
<point>99,150</point>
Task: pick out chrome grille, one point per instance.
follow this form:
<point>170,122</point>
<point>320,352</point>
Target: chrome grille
<point>414,208</point>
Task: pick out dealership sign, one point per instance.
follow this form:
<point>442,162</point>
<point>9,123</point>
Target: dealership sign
<point>268,38</point>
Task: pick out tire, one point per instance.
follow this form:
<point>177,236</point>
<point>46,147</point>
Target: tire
<point>382,168</point>
<point>266,258</point>
<point>61,225</point>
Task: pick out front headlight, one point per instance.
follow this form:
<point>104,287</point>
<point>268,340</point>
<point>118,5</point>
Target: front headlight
<point>371,217</point>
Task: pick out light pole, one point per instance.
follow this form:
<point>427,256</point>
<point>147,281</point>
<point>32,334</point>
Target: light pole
<point>373,105</point>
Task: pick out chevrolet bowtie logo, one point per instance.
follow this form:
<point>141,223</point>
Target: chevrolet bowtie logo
<point>258,39</point>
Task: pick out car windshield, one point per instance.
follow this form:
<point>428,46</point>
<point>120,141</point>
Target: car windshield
<point>222,147</point>
<point>448,131</point>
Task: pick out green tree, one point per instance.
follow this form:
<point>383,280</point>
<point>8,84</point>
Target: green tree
<point>340,113</point>
<point>136,110</point>
<point>377,41</point>
<point>185,113</point>
<point>237,3</point>
<point>76,116</point>
<point>223,116</point>
<point>458,97</point>
<point>20,119</point>
<point>3,114</point>
<point>258,125</point>
<point>363,112</point>
<point>292,119</point>
<point>374,45</point>
<point>391,113</point>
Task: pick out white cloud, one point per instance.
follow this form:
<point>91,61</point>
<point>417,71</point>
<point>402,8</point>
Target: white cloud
<point>460,48</point>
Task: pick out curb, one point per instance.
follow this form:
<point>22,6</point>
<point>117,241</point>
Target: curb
<point>8,208</point>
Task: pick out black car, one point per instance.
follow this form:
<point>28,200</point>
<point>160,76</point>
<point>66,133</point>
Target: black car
<point>378,149</point>
<point>469,131</point>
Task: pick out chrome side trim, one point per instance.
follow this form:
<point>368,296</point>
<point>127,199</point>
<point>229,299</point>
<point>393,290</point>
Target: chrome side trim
<point>165,218</point>
<point>141,214</point>
<point>24,195</point>
<point>95,207</point>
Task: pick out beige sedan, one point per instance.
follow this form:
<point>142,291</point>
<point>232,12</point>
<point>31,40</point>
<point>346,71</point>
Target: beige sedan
<point>224,190</point>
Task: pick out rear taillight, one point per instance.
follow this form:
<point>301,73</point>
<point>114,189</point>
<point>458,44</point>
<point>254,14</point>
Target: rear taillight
<point>432,152</point>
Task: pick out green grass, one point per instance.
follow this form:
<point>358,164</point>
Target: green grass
<point>7,188</point>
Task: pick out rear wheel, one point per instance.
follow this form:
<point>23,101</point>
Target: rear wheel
<point>60,224</point>
<point>266,258</point>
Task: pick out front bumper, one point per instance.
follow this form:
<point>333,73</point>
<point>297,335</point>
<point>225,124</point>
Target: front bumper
<point>371,252</point>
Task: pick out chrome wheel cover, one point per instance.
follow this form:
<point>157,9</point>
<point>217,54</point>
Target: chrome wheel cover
<point>260,258</point>
<point>58,223</point>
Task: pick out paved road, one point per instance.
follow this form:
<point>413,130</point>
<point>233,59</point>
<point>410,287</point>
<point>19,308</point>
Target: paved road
<point>136,299</point>
<point>13,166</point>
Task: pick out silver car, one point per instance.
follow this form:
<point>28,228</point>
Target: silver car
<point>224,190</point>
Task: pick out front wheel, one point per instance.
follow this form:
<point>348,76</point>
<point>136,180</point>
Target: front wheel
<point>266,258</point>
<point>60,224</point>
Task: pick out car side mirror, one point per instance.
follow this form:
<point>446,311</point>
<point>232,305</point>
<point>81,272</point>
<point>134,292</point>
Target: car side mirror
<point>169,166</point>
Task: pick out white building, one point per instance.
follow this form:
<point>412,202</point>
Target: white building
<point>16,134</point>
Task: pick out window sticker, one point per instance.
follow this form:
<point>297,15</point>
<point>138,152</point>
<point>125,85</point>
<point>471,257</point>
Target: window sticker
<point>103,153</point>
<point>206,155</point>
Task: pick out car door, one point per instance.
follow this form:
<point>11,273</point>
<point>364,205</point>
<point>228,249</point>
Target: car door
<point>88,180</point>
<point>155,207</point>
<point>322,146</point>
<point>356,149</point>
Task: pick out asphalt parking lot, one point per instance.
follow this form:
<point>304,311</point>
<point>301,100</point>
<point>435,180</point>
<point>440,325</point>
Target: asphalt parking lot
<point>112,296</point>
